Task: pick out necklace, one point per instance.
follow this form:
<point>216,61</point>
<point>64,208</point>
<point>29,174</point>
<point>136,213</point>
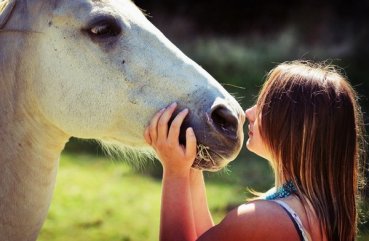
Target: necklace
<point>284,191</point>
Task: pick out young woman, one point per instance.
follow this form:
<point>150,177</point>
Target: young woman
<point>308,125</point>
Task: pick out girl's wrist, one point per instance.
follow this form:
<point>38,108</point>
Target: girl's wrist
<point>196,176</point>
<point>195,171</point>
<point>175,173</point>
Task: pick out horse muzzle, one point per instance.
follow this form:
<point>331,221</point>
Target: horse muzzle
<point>219,134</point>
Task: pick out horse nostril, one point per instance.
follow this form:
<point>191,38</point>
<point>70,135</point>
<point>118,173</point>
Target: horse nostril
<point>225,120</point>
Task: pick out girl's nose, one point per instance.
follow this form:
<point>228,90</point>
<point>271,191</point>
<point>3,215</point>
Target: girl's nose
<point>250,113</point>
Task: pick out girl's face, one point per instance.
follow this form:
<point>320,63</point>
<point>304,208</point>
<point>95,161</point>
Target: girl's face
<point>255,142</point>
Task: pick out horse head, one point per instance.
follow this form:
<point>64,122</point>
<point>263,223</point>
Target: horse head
<point>98,69</point>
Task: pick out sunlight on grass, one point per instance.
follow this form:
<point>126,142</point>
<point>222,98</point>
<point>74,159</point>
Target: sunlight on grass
<point>97,199</point>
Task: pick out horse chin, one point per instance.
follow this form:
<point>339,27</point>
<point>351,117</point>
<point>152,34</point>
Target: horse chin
<point>217,150</point>
<point>219,137</point>
<point>205,166</point>
<point>209,160</point>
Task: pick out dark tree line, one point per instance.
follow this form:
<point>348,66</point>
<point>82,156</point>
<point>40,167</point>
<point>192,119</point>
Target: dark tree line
<point>268,16</point>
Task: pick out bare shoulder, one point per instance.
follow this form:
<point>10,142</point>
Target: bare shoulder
<point>258,220</point>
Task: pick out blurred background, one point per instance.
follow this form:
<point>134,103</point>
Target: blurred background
<point>237,42</point>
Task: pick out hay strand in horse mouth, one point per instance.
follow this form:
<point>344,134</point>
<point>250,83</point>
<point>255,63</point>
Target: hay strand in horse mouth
<point>203,157</point>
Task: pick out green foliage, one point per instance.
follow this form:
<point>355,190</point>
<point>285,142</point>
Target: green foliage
<point>364,219</point>
<point>244,61</point>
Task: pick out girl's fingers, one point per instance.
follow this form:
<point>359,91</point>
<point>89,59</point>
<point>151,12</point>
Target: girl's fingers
<point>163,122</point>
<point>154,125</point>
<point>190,143</point>
<point>175,127</point>
<point>147,136</point>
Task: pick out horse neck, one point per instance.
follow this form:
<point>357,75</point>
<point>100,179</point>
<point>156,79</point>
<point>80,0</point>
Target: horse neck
<point>29,157</point>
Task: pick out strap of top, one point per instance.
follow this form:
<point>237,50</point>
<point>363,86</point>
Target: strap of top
<point>304,236</point>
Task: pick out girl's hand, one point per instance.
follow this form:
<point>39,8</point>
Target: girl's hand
<point>176,158</point>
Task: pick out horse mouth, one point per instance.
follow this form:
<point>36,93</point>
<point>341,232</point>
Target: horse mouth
<point>219,140</point>
<point>207,159</point>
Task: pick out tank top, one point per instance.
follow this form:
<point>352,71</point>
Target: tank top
<point>303,234</point>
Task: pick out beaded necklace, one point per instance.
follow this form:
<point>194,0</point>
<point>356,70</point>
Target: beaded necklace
<point>285,190</point>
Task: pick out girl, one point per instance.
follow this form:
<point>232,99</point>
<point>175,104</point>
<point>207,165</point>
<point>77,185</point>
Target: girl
<point>308,125</point>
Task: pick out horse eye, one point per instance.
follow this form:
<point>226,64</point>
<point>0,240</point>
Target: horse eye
<point>104,29</point>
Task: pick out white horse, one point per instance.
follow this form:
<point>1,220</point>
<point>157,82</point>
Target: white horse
<point>91,69</point>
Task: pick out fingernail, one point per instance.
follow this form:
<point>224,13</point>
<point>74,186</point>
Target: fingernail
<point>173,104</point>
<point>185,110</point>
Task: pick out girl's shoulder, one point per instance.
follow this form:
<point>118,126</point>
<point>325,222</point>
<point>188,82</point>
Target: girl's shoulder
<point>256,220</point>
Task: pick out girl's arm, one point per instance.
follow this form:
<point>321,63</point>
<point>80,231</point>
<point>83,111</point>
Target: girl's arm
<point>177,220</point>
<point>184,198</point>
<point>202,216</point>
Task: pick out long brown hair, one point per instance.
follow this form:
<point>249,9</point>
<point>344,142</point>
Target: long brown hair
<point>312,124</point>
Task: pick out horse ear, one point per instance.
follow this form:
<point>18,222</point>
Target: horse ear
<point>6,8</point>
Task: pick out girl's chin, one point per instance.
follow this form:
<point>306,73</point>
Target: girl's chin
<point>249,145</point>
<point>258,152</point>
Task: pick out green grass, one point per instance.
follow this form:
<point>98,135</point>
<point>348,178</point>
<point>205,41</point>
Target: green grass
<point>97,199</point>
